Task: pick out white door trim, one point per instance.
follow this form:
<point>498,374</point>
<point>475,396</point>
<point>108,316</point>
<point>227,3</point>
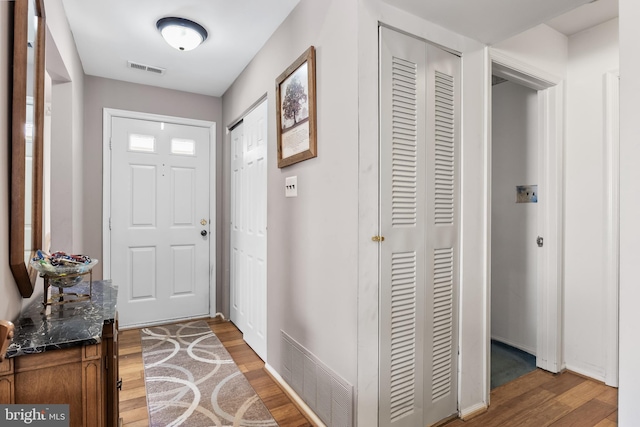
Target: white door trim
<point>612,223</point>
<point>521,72</point>
<point>549,354</point>
<point>107,115</point>
<point>551,172</point>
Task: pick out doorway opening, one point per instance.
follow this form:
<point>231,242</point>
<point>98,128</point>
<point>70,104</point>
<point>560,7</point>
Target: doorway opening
<point>514,216</point>
<point>525,207</point>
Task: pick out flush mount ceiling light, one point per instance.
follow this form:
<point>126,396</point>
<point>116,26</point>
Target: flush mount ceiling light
<point>181,33</point>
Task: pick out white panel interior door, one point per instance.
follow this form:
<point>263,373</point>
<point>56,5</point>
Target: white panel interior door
<point>159,220</point>
<point>248,270</point>
<point>418,218</point>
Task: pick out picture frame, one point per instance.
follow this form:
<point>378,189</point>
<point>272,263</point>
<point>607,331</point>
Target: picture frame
<point>296,110</point>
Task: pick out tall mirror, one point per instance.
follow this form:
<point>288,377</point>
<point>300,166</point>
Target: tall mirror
<point>25,232</point>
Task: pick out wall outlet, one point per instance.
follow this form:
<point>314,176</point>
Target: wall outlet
<point>291,186</point>
<point>526,194</point>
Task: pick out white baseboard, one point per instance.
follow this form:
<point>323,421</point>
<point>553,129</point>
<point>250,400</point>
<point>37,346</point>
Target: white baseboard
<point>298,400</point>
<point>599,376</point>
<point>472,411</point>
<point>526,349</point>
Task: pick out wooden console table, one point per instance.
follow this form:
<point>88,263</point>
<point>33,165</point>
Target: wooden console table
<point>67,354</point>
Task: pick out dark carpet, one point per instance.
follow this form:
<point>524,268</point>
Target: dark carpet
<point>509,363</point>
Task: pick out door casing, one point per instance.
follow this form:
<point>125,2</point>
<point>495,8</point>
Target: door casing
<point>550,218</point>
<point>107,115</point>
<point>612,223</point>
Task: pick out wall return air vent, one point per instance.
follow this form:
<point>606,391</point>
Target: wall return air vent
<point>143,67</point>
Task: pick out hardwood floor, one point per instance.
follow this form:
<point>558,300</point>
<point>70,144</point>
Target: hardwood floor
<point>133,398</point>
<point>541,399</point>
<point>538,399</point>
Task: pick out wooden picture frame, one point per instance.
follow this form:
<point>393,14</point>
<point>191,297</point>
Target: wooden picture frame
<point>296,110</point>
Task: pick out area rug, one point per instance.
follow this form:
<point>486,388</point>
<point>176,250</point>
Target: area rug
<point>509,363</point>
<point>191,380</point>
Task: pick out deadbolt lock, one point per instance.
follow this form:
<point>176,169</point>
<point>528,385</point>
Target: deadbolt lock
<point>378,238</point>
<point>540,241</point>
<point>203,221</point>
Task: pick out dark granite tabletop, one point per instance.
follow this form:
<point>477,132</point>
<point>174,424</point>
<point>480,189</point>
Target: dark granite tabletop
<point>40,329</point>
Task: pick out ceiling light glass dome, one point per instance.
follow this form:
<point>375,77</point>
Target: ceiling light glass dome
<point>181,33</point>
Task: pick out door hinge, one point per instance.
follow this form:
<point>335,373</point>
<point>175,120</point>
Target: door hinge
<point>109,223</point>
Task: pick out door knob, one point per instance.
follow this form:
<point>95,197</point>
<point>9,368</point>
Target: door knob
<point>203,233</point>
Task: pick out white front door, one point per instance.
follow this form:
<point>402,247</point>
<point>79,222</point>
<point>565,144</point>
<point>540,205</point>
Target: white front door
<point>159,220</point>
<point>249,228</point>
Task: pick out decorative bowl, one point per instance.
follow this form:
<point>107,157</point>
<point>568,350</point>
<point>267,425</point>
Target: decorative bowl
<point>62,276</point>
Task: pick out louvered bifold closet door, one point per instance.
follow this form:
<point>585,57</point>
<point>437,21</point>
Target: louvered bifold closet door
<point>418,218</point>
<point>403,224</point>
<point>443,147</point>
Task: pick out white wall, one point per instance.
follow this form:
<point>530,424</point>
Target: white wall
<point>312,239</point>
<point>67,185</point>
<point>514,253</point>
<point>541,47</point>
<point>61,138</point>
<point>592,53</point>
<point>629,393</point>
<point>102,93</point>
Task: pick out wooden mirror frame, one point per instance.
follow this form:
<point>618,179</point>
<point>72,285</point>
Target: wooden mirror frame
<point>24,275</point>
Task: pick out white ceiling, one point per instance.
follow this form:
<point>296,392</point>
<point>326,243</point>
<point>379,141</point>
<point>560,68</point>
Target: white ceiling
<point>109,33</point>
<point>489,21</point>
<point>584,17</point>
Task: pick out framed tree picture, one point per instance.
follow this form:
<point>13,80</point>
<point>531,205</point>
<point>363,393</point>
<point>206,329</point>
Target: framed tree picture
<point>296,110</point>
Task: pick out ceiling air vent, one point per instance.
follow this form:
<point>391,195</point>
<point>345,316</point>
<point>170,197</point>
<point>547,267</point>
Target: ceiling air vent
<point>142,67</point>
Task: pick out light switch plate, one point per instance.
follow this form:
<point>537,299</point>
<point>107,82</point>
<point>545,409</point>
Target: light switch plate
<point>291,186</point>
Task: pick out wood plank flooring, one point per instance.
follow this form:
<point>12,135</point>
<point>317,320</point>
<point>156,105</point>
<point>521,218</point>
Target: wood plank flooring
<point>538,399</point>
<point>133,398</point>
<point>541,399</point>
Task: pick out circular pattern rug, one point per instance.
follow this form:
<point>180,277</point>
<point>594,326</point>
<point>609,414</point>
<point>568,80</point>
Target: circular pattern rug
<point>191,380</point>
